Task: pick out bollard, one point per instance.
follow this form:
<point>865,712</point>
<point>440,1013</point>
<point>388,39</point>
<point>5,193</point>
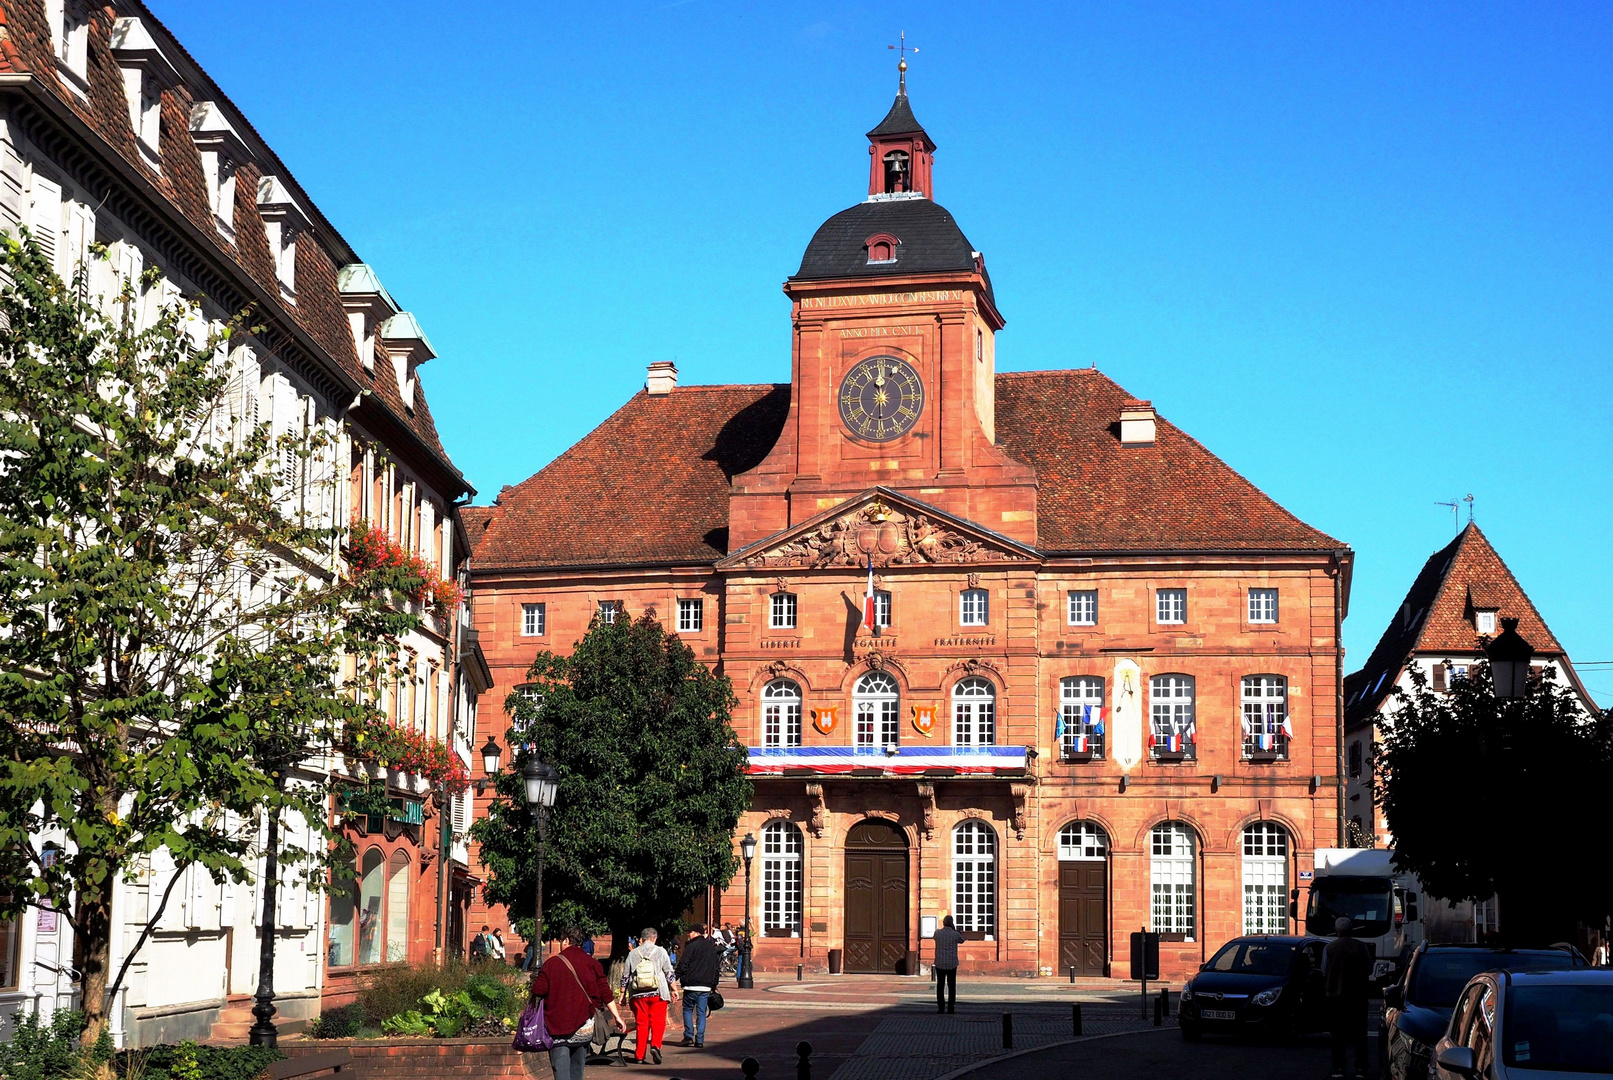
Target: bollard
<point>1075,1019</point>
<point>1008,1031</point>
<point>1165,1001</point>
<point>1072,974</point>
<point>749,1067</point>
<point>1159,1011</point>
<point>800,972</point>
<point>803,1067</point>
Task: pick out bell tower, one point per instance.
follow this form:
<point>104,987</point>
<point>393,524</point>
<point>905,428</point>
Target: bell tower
<point>893,376</point>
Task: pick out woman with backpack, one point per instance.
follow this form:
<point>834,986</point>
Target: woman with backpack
<point>648,982</point>
<point>571,985</point>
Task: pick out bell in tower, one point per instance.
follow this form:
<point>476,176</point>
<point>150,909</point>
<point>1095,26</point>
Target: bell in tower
<point>901,150</point>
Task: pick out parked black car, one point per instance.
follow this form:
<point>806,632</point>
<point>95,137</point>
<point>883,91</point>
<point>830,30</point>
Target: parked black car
<point>1417,1009</point>
<point>1257,985</point>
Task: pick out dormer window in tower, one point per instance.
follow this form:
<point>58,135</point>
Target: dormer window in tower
<point>881,248</point>
<point>897,172</point>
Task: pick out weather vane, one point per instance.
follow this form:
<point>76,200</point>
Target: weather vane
<point>902,50</point>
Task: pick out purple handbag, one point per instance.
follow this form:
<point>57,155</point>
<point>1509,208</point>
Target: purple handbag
<point>531,1033</point>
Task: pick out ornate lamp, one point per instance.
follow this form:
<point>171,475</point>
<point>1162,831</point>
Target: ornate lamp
<point>1509,655</point>
<point>747,848</point>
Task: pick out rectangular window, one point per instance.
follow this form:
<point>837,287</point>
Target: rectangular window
<point>9,940</point>
<point>1170,606</point>
<point>882,609</point>
<point>1083,607</point>
<point>1171,881</point>
<point>783,611</point>
<point>1266,729</point>
<point>1262,605</point>
<point>974,608</point>
<point>1080,728</point>
<point>1172,725</point>
<point>1484,622</point>
<point>781,880</point>
<point>532,620</point>
<point>974,879</point>
<point>608,610</point>
<point>691,615</point>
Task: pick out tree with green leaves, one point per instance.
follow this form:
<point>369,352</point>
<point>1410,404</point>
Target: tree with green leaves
<point>172,614</point>
<point>652,783</point>
<point>1495,798</point>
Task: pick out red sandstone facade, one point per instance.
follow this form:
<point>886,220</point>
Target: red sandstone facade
<point>993,523</point>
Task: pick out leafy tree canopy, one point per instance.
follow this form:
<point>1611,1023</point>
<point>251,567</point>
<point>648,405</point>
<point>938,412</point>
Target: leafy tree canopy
<point>652,783</point>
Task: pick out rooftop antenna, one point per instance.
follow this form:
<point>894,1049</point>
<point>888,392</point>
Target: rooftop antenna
<point>1452,507</point>
<point>1469,500</point>
<point>902,50</point>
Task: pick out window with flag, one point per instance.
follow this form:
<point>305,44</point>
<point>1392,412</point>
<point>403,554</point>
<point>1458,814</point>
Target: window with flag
<point>974,879</point>
<point>691,615</point>
<point>1082,841</point>
<point>1265,878</point>
<point>877,703</point>
<point>1170,710</point>
<point>783,611</point>
<point>532,620</point>
<point>1266,727</point>
<point>781,879</point>
<point>1083,607</point>
<point>781,713</point>
<point>974,712</point>
<point>882,608</point>
<point>1262,605</point>
<point>974,608</point>
<point>1170,606</point>
<point>1170,880</point>
<point>1080,727</point>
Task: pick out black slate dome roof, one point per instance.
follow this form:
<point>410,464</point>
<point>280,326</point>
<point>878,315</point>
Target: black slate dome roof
<point>928,240</point>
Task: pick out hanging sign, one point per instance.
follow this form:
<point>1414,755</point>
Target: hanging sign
<point>825,719</point>
<point>924,719</point>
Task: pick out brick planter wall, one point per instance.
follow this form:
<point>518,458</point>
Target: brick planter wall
<point>412,1059</point>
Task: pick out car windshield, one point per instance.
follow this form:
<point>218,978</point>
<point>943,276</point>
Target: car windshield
<point>1562,1028</point>
<point>1362,900</point>
<point>1254,958</point>
<point>1439,976</point>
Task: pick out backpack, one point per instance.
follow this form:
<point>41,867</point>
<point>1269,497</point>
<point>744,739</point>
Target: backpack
<point>644,974</point>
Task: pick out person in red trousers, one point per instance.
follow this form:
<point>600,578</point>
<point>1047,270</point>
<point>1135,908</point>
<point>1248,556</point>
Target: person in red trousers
<point>648,982</point>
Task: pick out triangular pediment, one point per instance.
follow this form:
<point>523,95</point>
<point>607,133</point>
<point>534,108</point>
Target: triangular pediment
<point>895,529</point>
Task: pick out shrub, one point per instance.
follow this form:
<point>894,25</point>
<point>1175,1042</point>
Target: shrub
<point>188,1061</point>
<point>346,1022</point>
<point>42,1051</point>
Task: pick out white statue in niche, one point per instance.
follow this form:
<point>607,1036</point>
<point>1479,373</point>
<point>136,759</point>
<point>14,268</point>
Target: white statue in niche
<point>1126,727</point>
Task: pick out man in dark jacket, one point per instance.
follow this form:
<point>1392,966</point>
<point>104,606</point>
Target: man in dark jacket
<point>1347,971</point>
<point>699,966</point>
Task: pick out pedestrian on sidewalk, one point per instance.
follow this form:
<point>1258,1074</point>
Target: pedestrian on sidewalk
<point>698,970</point>
<point>478,945</point>
<point>648,982</point>
<point>947,939</point>
<point>1347,970</point>
<point>495,946</point>
<point>572,986</point>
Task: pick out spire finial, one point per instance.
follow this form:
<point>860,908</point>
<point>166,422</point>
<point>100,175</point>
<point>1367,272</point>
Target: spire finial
<point>901,64</point>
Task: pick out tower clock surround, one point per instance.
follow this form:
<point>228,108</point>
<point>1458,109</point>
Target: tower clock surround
<point>881,398</point>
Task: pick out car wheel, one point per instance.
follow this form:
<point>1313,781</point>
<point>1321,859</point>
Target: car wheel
<point>1190,1032</point>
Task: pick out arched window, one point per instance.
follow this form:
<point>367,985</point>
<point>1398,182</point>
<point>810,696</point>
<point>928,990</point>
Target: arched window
<point>881,248</point>
<point>878,704</point>
<point>896,172</point>
<point>369,907</point>
<point>781,713</point>
<point>974,879</point>
<point>1080,724</point>
<point>397,908</point>
<point>974,712</point>
<point>343,906</point>
<point>1266,730</point>
<point>1171,880</point>
<point>781,880</point>
<point>1265,878</point>
<point>1170,699</point>
<point>1082,841</point>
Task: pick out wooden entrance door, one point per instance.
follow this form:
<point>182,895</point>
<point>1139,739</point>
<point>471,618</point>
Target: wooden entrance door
<point>1083,916</point>
<point>876,899</point>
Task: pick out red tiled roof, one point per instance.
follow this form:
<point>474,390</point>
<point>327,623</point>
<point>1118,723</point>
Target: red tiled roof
<point>25,46</point>
<point>1099,495</point>
<point>1436,617</point>
<point>651,484</point>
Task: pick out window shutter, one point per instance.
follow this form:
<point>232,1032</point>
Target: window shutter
<point>1440,679</point>
<point>80,232</point>
<point>203,898</point>
<point>45,217</point>
<point>226,904</point>
<point>461,814</point>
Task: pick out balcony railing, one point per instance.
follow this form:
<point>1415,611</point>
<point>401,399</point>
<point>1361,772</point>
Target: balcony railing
<point>1265,747</point>
<point>1173,748</point>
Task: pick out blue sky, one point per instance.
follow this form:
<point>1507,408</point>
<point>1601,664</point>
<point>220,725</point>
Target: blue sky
<point>1363,252</point>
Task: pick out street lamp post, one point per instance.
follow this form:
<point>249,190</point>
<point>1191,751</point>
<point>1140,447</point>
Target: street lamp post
<point>542,785</point>
<point>745,980</point>
<point>1509,655</point>
<point>264,1032</point>
<point>491,753</point>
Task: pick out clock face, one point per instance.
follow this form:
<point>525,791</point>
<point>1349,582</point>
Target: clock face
<point>881,398</point>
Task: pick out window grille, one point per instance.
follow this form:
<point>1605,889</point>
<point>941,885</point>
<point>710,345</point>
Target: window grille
<point>1082,841</point>
<point>783,612</point>
<point>974,712</point>
<point>1265,715</point>
<point>691,615</point>
<point>781,713</point>
<point>1081,725</point>
<point>1262,605</point>
<point>1171,714</point>
<point>1083,609</point>
<point>533,617</point>
<point>1171,880</point>
<point>1170,606</point>
<point>975,608</point>
<point>781,879</point>
<point>1265,879</point>
<point>877,703</point>
<point>974,879</point>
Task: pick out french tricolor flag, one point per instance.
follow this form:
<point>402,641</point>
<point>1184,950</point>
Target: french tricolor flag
<point>869,620</point>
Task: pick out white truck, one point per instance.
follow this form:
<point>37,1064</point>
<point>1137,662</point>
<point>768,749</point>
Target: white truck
<point>1362,885</point>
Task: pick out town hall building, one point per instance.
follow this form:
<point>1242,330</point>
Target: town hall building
<point>1103,687</point>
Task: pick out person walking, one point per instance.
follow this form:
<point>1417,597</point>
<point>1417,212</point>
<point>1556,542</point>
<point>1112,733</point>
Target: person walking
<point>698,970</point>
<point>478,945</point>
<point>588,944</point>
<point>648,982</point>
<point>495,946</point>
<point>572,985</point>
<point>1346,972</point>
<point>947,939</point>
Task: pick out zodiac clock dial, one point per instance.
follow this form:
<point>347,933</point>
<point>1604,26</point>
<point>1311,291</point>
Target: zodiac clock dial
<point>881,398</point>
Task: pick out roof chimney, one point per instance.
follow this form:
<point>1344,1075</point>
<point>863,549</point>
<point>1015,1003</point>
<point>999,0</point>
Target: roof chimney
<point>1137,423</point>
<point>662,378</point>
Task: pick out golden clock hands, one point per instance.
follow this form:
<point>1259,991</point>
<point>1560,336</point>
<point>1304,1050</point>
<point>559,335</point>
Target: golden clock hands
<point>879,373</point>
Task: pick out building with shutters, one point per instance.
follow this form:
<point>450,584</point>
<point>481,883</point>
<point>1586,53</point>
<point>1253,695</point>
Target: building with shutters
<point>1455,603</point>
<point>112,136</point>
<point>1102,688</point>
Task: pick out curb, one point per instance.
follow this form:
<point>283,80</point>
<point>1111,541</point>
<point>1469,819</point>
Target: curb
<point>967,1069</point>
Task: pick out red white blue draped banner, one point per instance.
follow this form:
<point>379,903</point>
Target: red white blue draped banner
<point>897,761</point>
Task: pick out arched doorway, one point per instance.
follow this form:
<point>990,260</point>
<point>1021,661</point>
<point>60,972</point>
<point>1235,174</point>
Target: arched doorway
<point>876,899</point>
<point>1083,899</point>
